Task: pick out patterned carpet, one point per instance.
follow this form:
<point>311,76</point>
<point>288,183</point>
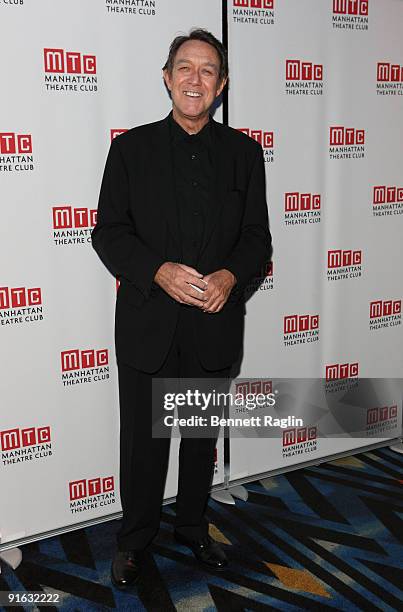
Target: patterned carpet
<point>321,538</point>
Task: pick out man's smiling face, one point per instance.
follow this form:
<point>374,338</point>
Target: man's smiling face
<point>194,82</point>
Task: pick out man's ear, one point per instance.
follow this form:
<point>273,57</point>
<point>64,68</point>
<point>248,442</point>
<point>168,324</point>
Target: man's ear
<point>221,86</point>
<point>167,79</point>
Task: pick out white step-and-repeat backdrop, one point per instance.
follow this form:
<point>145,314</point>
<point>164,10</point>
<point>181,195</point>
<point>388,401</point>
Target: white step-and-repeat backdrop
<point>319,84</point>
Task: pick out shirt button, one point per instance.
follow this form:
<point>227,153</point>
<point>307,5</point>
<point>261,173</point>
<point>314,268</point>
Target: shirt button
<point>195,183</point>
<point>196,212</point>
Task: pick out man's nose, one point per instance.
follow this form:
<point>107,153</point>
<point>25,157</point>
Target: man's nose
<point>195,77</point>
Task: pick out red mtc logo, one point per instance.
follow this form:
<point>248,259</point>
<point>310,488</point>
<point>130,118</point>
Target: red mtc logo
<point>58,60</point>
<point>253,387</point>
<point>29,436</point>
<point>65,217</point>
<point>299,323</point>
<point>301,201</point>
<point>389,72</point>
<point>298,70</point>
<point>11,143</point>
<point>265,139</point>
<point>267,269</point>
<point>295,435</point>
<point>340,259</point>
<point>384,308</point>
<point>387,195</point>
<point>18,297</point>
<point>265,4</point>
<point>350,7</point>
<point>78,360</point>
<point>341,370</point>
<point>377,415</point>
<point>115,133</point>
<point>340,135</point>
<point>94,486</point>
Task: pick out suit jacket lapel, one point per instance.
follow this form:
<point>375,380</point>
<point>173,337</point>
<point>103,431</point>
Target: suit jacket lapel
<point>162,177</point>
<point>221,165</point>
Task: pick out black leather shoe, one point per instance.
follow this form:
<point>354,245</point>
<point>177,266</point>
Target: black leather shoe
<point>206,550</point>
<point>126,567</point>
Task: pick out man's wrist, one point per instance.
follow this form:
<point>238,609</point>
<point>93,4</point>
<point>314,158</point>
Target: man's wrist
<point>158,273</point>
<point>233,277</point>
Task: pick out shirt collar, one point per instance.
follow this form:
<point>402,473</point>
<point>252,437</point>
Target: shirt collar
<point>178,133</point>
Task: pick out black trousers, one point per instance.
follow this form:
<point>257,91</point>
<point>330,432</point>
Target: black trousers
<point>144,459</point>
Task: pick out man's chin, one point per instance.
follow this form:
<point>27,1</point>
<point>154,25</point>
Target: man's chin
<point>192,114</point>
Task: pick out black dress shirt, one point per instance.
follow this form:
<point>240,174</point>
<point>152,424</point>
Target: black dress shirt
<point>193,175</point>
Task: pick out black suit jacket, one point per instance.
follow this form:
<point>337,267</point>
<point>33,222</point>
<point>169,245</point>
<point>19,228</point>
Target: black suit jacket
<point>137,230</point>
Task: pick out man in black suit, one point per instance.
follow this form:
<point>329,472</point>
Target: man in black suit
<point>182,222</point>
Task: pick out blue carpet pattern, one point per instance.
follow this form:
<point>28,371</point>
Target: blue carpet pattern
<point>320,538</point>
